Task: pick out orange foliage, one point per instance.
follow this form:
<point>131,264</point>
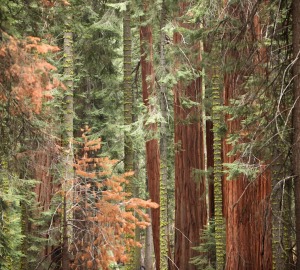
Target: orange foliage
<point>106,217</point>
<point>25,75</point>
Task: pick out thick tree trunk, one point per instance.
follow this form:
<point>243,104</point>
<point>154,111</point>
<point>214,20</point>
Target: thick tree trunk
<point>246,206</point>
<point>190,210</point>
<point>246,202</point>
<point>190,200</point>
<point>296,120</point>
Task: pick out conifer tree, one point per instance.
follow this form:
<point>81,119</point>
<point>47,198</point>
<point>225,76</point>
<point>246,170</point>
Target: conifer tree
<point>218,173</point>
<point>68,174</point>
<point>128,99</point>
<point>245,195</point>
<point>152,147</point>
<point>190,209</point>
<point>163,237</point>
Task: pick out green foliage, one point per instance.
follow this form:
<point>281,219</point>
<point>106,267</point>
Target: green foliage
<point>19,18</point>
<point>206,260</point>
<point>200,175</point>
<point>98,96</point>
<point>237,169</point>
<point>12,237</point>
<point>118,6</point>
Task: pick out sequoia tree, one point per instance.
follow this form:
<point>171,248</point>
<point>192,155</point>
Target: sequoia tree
<point>190,203</point>
<point>246,196</point>
<point>152,146</point>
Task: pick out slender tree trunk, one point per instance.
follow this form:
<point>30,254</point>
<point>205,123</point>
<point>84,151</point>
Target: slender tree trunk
<point>218,172</point>
<point>277,217</point>
<point>281,199</point>
<point>296,120</point>
<point>152,147</point>
<point>163,237</point>
<point>128,114</point>
<point>190,200</point>
<point>288,224</point>
<point>25,232</point>
<point>148,261</point>
<point>65,237</point>
<point>68,173</point>
<point>128,150</point>
<point>210,165</point>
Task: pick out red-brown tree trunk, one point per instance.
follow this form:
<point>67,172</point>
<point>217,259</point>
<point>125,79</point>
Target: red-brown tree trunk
<point>190,209</point>
<point>246,202</point>
<point>152,146</point>
<point>190,201</point>
<point>247,215</point>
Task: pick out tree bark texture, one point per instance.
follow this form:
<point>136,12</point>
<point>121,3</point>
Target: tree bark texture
<point>127,50</point>
<point>45,188</point>
<point>281,199</point>
<point>296,120</point>
<point>152,146</point>
<point>164,233</point>
<point>218,173</point>
<point>68,173</point>
<point>246,202</point>
<point>247,215</point>
<point>246,207</point>
<point>128,114</point>
<point>190,209</point>
<point>148,260</point>
<point>190,201</point>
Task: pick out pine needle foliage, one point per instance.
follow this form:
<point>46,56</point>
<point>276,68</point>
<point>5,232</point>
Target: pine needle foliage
<point>21,240</point>
<point>25,80</point>
<point>104,214</point>
<point>207,249</point>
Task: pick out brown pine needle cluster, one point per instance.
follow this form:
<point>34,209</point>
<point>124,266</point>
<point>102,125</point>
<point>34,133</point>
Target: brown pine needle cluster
<point>25,77</point>
<point>104,214</point>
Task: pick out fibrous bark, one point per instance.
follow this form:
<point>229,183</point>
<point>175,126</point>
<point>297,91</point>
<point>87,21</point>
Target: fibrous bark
<point>246,201</point>
<point>190,202</point>
<point>152,146</point>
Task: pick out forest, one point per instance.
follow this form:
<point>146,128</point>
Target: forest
<point>149,135</point>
